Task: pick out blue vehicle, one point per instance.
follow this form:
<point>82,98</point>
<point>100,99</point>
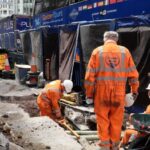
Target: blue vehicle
<point>87,11</point>
<point>9,30</point>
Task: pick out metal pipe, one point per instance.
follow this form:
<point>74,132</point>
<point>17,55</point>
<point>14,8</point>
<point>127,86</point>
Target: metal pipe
<point>88,137</point>
<point>84,132</point>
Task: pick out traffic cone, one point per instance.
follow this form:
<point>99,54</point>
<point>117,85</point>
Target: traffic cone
<point>33,64</point>
<point>7,66</point>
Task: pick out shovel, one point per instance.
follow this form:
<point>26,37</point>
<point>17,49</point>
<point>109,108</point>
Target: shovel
<point>71,130</point>
<point>80,139</point>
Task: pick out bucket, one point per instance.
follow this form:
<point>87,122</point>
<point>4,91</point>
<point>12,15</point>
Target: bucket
<point>21,72</point>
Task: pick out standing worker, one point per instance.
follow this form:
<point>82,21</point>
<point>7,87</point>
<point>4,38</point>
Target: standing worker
<point>108,69</point>
<point>49,97</point>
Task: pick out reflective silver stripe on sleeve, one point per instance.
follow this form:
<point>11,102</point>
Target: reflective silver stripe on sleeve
<point>45,98</point>
<point>88,82</point>
<point>111,79</point>
<point>55,90</point>
<point>133,80</point>
<point>131,69</point>
<point>91,70</point>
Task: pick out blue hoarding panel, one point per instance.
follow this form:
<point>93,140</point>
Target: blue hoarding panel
<point>22,23</point>
<point>6,40</point>
<point>12,40</point>
<point>92,10</point>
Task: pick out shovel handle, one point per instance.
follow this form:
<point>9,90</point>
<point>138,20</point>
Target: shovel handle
<point>71,130</point>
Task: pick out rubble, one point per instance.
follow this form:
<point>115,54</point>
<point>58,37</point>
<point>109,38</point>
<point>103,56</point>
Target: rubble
<point>36,133</point>
<point>21,131</point>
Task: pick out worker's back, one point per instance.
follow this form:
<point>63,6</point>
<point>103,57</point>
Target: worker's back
<point>113,64</point>
<point>48,99</point>
<point>52,89</point>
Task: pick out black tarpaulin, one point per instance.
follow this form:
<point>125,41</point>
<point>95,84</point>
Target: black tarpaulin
<point>67,46</point>
<point>50,53</point>
<point>137,40</point>
<point>26,46</point>
<point>36,46</point>
<point>91,37</point>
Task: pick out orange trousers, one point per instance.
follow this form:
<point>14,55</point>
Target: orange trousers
<point>45,108</point>
<point>109,108</point>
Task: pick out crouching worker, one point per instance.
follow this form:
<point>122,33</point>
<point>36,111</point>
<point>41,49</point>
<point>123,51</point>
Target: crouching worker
<point>132,132</point>
<point>48,99</point>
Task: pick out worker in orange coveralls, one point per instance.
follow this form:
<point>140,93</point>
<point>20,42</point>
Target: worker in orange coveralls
<point>49,97</point>
<point>132,131</point>
<point>108,69</point>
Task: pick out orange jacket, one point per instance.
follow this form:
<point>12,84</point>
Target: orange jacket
<point>110,64</point>
<point>52,93</point>
<point>147,111</point>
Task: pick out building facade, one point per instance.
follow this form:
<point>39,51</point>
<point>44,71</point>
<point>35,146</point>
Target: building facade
<point>20,7</point>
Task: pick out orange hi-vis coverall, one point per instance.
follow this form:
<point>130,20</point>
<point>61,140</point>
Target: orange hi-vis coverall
<point>108,69</point>
<point>48,100</point>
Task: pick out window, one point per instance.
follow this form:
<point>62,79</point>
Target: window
<point>5,12</point>
<point>10,12</point>
<point>10,6</point>
<point>4,6</point>
<point>18,1</point>
<point>30,10</point>
<point>25,1</point>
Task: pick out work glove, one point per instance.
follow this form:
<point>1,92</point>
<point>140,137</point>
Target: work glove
<point>135,95</point>
<point>89,101</point>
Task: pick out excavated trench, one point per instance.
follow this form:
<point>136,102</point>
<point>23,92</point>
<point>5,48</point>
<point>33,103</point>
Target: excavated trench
<point>21,128</point>
<point>28,104</point>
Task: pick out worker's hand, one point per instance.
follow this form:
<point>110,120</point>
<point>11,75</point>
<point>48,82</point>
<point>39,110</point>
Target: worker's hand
<point>135,95</point>
<point>89,101</point>
<point>130,117</point>
<point>58,114</point>
<point>61,121</point>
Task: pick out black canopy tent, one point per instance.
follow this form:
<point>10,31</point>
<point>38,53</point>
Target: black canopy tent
<point>50,40</point>
<point>137,40</point>
<point>31,46</point>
